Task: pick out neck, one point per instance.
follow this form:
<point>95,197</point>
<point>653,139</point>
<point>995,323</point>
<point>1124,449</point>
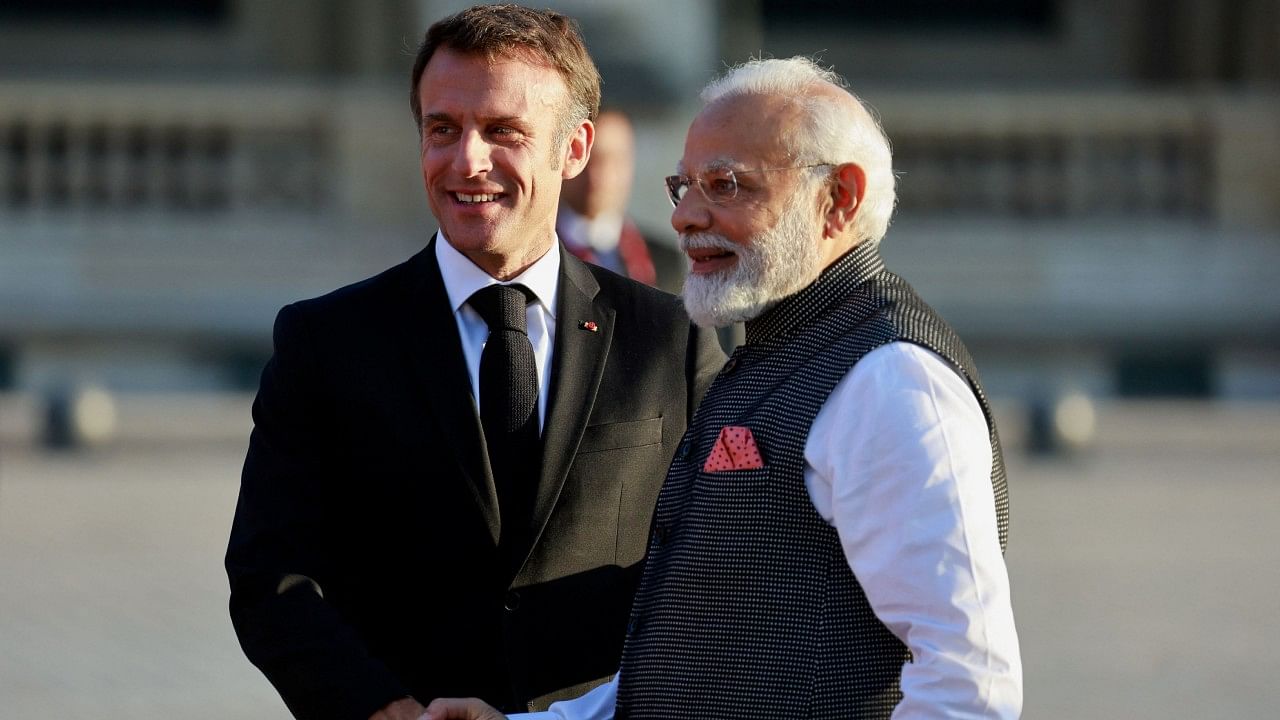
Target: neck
<point>504,267</point>
<point>832,285</point>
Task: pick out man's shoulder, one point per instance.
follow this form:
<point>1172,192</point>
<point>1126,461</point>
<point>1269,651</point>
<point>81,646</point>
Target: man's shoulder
<point>669,263</point>
<point>369,293</point>
<point>623,290</point>
<point>615,284</point>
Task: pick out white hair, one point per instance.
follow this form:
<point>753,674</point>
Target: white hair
<point>832,134</point>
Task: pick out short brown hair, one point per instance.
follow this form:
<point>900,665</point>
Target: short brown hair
<point>543,37</point>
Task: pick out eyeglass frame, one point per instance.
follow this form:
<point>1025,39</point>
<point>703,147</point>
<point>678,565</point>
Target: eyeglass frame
<point>675,183</point>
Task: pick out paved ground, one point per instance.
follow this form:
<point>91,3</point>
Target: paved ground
<point>113,603</point>
<point>1145,575</point>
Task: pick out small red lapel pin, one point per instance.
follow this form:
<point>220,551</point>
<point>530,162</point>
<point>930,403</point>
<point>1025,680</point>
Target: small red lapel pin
<point>590,326</point>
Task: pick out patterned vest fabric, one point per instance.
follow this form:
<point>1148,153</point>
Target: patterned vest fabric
<point>748,607</point>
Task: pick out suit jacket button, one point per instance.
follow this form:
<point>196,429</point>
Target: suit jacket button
<point>684,451</point>
<point>512,601</point>
<point>729,365</point>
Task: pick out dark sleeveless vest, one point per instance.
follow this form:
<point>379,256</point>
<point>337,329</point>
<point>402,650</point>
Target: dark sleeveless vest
<point>747,607</point>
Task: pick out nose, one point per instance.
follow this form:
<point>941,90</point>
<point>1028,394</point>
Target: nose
<point>692,214</point>
<point>472,156</point>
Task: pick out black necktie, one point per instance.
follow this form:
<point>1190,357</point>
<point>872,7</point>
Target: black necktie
<point>509,403</point>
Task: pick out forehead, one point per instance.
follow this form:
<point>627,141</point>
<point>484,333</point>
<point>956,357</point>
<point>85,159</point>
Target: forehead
<point>746,131</point>
<point>505,85</point>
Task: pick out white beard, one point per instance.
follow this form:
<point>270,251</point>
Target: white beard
<point>771,265</point>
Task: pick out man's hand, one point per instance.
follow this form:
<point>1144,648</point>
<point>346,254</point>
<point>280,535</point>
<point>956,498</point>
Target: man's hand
<point>461,709</point>
<point>403,709</point>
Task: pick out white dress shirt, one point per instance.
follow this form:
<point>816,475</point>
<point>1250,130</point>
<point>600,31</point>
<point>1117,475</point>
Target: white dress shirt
<point>462,278</point>
<point>899,462</point>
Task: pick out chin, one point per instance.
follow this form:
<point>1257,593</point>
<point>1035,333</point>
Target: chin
<point>721,299</point>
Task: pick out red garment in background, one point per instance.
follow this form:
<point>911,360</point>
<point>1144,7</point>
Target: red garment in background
<point>636,261</point>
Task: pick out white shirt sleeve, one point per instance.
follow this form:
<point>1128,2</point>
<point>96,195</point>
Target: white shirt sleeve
<point>899,462</point>
<point>595,705</point>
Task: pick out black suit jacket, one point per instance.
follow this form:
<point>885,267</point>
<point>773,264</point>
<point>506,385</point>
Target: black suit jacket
<point>363,559</point>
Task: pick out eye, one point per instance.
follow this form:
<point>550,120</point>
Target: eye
<point>439,131</point>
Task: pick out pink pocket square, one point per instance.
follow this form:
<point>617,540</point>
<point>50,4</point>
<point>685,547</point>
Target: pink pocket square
<point>735,449</point>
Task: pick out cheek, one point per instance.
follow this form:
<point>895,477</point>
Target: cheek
<point>434,165</point>
<point>507,164</point>
<point>528,172</point>
<point>754,224</point>
<point>738,233</point>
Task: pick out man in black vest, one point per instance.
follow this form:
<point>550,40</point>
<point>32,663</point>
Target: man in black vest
<point>454,464</point>
<point>829,540</point>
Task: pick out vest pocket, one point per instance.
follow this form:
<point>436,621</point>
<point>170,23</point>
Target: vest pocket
<point>731,494</point>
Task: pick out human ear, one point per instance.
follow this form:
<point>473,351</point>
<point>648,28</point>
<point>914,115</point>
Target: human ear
<point>846,198</point>
<point>578,149</point>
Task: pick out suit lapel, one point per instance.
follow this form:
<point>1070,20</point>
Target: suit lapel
<point>436,353</point>
<point>577,367</point>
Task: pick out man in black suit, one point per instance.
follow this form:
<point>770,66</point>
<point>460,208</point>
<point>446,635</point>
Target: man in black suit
<point>398,535</point>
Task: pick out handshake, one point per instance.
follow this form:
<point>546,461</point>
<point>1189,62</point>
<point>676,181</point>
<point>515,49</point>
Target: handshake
<point>460,709</point>
<point>439,709</point>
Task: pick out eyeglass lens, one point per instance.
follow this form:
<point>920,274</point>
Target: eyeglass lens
<point>717,186</point>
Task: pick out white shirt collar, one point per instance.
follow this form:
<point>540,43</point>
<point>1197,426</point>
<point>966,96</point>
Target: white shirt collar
<point>462,278</point>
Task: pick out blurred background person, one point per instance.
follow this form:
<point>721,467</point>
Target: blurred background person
<point>593,222</point>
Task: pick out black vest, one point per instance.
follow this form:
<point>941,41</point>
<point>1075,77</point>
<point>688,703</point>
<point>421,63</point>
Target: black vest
<point>748,606</point>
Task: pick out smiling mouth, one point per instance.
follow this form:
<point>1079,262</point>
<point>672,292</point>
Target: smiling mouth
<point>707,260</point>
<point>473,199</point>
<point>702,254</point>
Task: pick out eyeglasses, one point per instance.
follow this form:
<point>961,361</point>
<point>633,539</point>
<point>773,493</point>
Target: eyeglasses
<point>718,185</point>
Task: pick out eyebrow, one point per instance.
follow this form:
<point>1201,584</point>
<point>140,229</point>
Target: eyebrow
<point>435,117</point>
<point>720,163</point>
<point>446,117</point>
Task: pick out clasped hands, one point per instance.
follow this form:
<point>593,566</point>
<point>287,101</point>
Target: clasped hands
<point>439,709</point>
<point>460,709</point>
